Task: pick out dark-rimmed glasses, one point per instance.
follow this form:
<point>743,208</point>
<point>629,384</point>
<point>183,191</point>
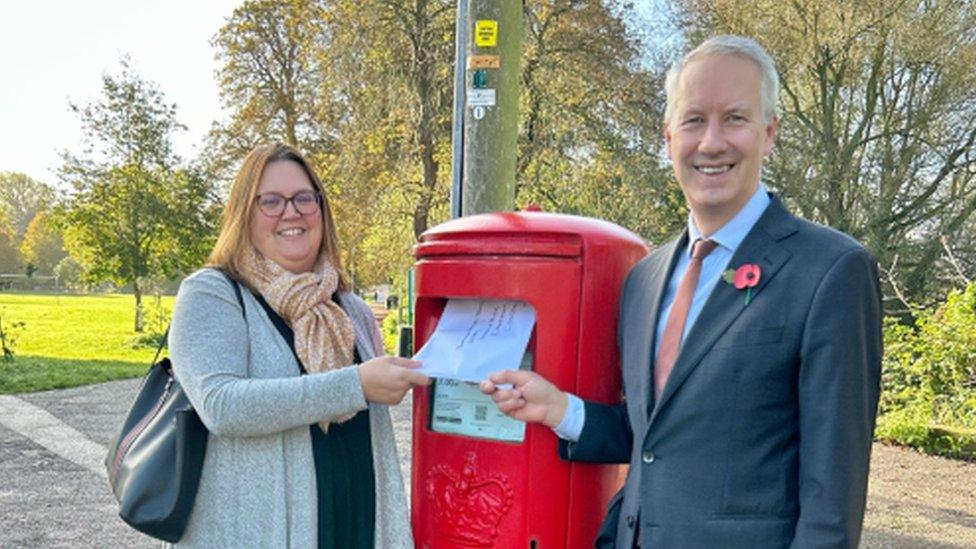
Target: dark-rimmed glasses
<point>273,204</point>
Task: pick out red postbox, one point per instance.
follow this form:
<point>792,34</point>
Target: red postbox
<point>480,479</point>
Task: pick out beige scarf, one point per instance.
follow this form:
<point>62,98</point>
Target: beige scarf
<point>324,336</point>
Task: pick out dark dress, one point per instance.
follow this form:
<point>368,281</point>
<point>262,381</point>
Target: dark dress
<point>343,470</point>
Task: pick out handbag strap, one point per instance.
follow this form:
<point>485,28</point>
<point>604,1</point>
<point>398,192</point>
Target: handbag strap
<point>240,301</point>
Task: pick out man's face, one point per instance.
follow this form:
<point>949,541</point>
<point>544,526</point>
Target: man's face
<point>717,137</point>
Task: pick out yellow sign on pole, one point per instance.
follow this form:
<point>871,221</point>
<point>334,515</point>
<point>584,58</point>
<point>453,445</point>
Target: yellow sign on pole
<point>486,33</point>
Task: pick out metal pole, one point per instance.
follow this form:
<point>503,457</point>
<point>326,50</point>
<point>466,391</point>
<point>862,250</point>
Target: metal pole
<point>491,105</point>
<point>457,133</point>
<point>410,297</point>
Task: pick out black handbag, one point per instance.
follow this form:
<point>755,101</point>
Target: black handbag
<point>155,461</point>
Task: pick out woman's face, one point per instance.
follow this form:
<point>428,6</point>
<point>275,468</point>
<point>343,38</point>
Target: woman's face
<point>292,239</point>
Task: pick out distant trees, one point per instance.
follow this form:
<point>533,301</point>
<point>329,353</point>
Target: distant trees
<point>134,212</point>
<point>42,245</point>
<point>9,256</point>
<point>21,198</point>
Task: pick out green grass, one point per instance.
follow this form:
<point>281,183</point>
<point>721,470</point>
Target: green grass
<point>37,373</point>
<point>71,340</point>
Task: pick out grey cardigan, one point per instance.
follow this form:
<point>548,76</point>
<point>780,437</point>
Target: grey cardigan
<point>258,483</point>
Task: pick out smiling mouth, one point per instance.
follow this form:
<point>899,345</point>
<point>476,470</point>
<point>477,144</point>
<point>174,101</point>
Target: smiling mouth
<point>293,231</point>
<point>714,170</point>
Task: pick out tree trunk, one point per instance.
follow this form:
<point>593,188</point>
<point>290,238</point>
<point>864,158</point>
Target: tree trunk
<point>137,291</point>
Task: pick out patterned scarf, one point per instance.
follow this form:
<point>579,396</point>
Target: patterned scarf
<point>324,336</point>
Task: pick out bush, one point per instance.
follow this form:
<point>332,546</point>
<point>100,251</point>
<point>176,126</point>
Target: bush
<point>928,397</point>
<point>156,316</point>
<point>68,271</point>
<point>148,340</point>
<point>9,334</point>
<point>391,333</point>
<point>913,427</point>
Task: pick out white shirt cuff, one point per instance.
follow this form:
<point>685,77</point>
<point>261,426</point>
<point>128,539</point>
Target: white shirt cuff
<point>572,424</point>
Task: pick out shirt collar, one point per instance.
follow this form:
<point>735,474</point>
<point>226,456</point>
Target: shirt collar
<point>734,231</point>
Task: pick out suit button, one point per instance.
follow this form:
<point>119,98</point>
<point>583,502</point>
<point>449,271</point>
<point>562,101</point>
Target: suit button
<point>630,521</point>
<point>647,457</point>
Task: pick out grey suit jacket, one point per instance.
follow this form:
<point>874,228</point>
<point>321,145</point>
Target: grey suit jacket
<point>762,435</point>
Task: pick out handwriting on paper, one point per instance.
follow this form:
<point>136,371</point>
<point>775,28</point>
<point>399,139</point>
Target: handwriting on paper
<point>475,337</point>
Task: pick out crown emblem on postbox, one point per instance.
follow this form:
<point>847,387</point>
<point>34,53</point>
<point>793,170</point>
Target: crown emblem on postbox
<point>468,507</point>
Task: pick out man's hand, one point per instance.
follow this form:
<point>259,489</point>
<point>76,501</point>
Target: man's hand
<point>532,398</point>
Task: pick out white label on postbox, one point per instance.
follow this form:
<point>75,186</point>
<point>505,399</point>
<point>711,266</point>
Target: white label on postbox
<point>460,408</point>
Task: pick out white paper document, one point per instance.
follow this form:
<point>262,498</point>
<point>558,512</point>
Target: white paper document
<point>476,337</point>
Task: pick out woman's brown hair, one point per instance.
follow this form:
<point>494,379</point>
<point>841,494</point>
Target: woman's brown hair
<point>235,228</point>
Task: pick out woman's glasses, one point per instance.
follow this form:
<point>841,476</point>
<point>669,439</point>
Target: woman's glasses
<point>273,204</point>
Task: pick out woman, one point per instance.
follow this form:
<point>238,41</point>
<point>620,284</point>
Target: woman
<point>301,452</point>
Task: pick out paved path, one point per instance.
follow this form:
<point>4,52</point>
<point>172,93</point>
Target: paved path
<point>53,491</point>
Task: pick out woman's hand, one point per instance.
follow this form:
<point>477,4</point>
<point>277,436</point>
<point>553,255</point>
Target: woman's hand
<point>386,379</point>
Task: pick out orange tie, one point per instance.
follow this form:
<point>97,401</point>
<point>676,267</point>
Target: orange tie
<point>667,349</point>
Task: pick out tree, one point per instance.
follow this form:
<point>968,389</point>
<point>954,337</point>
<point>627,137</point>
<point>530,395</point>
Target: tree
<point>591,117</point>
<point>589,134</point>
<point>42,245</point>
<point>390,74</point>
<point>878,133</point>
<point>412,44</point>
<point>133,213</point>
<point>21,198</point>
<point>271,80</point>
<point>9,257</point>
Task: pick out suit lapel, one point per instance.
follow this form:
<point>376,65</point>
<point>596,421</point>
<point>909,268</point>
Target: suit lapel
<point>653,287</point>
<point>725,304</point>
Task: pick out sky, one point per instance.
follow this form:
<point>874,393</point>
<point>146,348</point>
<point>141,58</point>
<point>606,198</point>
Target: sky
<point>53,52</point>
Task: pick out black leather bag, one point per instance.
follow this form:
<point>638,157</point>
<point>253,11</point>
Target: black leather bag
<point>154,463</point>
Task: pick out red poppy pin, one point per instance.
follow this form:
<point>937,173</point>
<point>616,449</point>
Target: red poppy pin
<point>746,277</point>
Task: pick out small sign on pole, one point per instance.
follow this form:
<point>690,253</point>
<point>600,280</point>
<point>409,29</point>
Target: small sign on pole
<point>481,98</point>
<point>486,33</point>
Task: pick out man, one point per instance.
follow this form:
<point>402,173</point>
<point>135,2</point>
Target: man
<point>750,396</point>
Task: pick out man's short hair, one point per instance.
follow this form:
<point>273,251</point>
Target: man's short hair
<point>728,44</point>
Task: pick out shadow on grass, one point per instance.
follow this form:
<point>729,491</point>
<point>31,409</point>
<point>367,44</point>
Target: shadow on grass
<point>27,373</point>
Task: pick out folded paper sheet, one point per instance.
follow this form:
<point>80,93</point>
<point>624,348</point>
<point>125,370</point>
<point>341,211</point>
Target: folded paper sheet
<point>475,337</point>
